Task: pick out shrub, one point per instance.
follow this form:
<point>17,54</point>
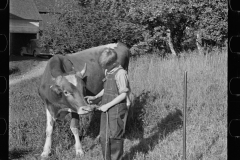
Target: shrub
<point>142,24</point>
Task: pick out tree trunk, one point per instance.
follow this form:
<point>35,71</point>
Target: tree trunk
<point>170,43</point>
<point>199,43</point>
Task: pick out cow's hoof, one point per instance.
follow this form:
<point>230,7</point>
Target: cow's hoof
<point>79,153</point>
<point>44,156</point>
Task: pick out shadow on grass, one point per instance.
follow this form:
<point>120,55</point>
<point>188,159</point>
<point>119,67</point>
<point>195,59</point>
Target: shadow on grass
<point>94,126</point>
<point>134,125</point>
<point>18,153</point>
<point>14,70</point>
<point>166,126</point>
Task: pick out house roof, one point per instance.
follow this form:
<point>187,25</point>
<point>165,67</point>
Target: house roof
<point>48,5</point>
<point>24,9</point>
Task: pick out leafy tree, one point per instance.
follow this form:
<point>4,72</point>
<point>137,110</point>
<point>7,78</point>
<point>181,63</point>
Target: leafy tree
<point>209,21</point>
<point>147,25</point>
<point>82,25</point>
<point>184,19</point>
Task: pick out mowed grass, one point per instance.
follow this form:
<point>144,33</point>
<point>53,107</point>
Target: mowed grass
<point>19,65</point>
<point>154,128</point>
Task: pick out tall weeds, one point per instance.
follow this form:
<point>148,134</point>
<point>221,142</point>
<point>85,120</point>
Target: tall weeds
<point>162,80</point>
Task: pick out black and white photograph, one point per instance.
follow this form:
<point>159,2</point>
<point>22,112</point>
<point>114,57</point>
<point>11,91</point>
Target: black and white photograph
<point>118,80</point>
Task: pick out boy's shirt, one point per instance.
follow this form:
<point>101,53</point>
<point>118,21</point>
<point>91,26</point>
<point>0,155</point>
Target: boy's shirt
<point>121,78</point>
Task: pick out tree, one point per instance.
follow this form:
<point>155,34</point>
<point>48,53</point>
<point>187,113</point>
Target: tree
<point>207,21</point>
<point>84,24</point>
<point>148,25</point>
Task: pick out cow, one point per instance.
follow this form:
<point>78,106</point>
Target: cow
<point>67,80</point>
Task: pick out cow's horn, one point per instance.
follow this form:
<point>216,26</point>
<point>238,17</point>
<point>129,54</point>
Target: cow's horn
<point>84,70</point>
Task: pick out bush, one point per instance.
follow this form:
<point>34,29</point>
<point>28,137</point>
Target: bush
<point>142,24</point>
<point>94,25</point>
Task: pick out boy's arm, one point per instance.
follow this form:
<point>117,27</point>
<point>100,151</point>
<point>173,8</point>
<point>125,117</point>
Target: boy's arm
<point>128,101</point>
<point>90,99</point>
<point>115,101</point>
<point>123,84</point>
<point>122,81</point>
<point>100,94</point>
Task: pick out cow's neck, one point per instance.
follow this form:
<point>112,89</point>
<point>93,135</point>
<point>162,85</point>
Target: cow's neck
<point>78,64</point>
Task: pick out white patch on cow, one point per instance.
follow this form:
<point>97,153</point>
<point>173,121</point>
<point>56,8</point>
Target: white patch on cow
<point>112,45</point>
<point>71,111</point>
<point>49,130</point>
<point>72,79</point>
<point>78,145</point>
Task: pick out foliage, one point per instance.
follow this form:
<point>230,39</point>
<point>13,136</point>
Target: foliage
<point>142,24</point>
<point>80,27</point>
<point>210,18</point>
<point>183,19</point>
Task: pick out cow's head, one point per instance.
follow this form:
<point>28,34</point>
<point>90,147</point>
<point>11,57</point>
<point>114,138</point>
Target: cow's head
<point>71,89</point>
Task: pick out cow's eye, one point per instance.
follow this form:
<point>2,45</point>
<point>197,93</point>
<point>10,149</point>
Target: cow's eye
<point>66,93</point>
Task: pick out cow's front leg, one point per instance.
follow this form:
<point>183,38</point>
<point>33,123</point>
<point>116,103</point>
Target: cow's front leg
<point>74,128</point>
<point>49,130</point>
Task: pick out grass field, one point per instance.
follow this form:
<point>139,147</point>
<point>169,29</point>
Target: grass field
<point>154,128</point>
<point>19,65</point>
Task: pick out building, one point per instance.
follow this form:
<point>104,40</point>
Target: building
<point>24,23</point>
<point>48,9</point>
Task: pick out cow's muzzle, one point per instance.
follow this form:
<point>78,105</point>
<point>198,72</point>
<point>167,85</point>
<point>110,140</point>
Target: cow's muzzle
<point>86,109</point>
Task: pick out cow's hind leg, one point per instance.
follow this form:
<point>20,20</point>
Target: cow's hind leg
<point>74,128</point>
<point>49,130</point>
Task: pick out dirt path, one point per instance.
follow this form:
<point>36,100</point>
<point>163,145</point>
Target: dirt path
<point>35,72</point>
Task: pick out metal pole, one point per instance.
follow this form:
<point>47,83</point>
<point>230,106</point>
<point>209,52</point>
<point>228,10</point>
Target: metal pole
<point>184,114</point>
<point>106,145</point>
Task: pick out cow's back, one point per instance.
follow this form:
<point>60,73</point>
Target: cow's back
<point>93,54</point>
<point>95,73</point>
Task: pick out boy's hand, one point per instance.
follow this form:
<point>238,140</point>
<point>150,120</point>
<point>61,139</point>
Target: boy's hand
<point>90,99</point>
<point>104,108</point>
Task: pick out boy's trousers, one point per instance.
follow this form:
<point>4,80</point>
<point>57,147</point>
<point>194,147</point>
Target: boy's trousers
<point>111,133</point>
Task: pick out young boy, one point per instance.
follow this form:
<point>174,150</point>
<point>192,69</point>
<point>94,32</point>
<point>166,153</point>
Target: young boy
<point>115,103</point>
